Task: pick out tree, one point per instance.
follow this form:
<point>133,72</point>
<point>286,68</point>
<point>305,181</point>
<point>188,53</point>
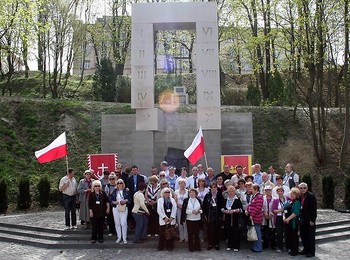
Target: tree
<point>104,86</point>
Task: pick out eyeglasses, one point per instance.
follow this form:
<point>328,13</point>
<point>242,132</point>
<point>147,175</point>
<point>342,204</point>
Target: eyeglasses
<point>161,175</point>
<point>165,183</point>
<point>112,179</point>
<point>97,186</point>
<point>302,188</point>
<point>119,183</point>
<point>167,192</point>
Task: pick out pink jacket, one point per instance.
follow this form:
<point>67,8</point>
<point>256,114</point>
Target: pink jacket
<point>255,209</point>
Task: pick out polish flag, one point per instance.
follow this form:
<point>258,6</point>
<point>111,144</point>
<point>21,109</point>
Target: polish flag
<point>196,150</point>
<point>57,149</point>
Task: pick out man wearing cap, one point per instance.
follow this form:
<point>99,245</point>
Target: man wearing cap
<point>268,227</point>
<point>308,215</point>
<point>164,167</point>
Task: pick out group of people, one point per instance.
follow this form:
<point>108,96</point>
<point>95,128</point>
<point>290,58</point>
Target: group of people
<point>201,206</point>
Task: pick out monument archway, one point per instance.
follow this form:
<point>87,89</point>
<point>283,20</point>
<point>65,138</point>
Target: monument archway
<point>147,18</point>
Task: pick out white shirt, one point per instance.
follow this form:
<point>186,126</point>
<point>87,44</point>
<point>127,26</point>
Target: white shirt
<point>285,193</point>
<point>191,180</point>
<point>71,190</point>
<point>193,204</point>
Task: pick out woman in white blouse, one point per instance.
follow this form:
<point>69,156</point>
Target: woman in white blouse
<point>119,200</point>
<point>166,208</point>
<point>191,213</point>
<point>181,195</point>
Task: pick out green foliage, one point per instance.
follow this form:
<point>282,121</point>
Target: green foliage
<point>3,196</point>
<point>276,87</point>
<point>24,198</point>
<point>104,86</point>
<point>44,188</point>
<point>253,95</point>
<point>307,179</point>
<point>347,193</point>
<point>166,82</point>
<point>328,192</point>
<point>233,97</point>
<point>123,89</point>
<point>290,95</point>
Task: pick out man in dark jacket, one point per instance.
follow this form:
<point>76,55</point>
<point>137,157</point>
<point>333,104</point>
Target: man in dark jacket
<point>308,214</point>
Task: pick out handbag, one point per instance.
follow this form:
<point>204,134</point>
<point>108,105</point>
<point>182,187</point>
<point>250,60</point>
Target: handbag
<point>170,232</point>
<point>121,207</point>
<point>251,233</point>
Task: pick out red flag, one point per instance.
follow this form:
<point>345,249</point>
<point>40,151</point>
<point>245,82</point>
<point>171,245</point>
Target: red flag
<point>196,150</point>
<point>57,149</point>
<point>102,162</point>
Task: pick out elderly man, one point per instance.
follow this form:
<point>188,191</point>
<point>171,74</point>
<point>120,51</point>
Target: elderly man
<point>291,178</point>
<point>272,174</point>
<point>192,181</point>
<point>68,187</point>
<point>308,214</point>
<point>226,175</point>
<point>266,182</point>
<point>238,176</point>
<point>257,174</point>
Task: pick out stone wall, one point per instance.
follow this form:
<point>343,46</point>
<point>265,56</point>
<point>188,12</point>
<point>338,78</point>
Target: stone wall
<point>148,148</point>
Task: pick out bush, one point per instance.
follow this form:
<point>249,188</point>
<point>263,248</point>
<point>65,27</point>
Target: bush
<point>253,95</point>
<point>44,187</point>
<point>123,89</point>
<point>307,179</point>
<point>3,196</point>
<point>24,199</point>
<point>347,193</point>
<point>328,192</point>
<point>104,85</point>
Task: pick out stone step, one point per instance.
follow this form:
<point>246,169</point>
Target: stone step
<point>70,239</point>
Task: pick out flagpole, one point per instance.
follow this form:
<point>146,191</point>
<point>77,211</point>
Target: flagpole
<point>67,163</point>
<point>206,161</point>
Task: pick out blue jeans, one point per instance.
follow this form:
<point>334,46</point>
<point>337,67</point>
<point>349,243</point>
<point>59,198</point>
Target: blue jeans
<point>257,245</point>
<point>69,205</point>
<point>141,226</point>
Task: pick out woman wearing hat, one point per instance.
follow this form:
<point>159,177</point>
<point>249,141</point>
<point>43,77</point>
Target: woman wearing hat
<point>268,228</point>
<point>84,189</point>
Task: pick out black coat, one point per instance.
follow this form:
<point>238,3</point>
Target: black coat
<point>213,214</point>
<point>184,207</point>
<point>308,211</point>
<point>130,185</point>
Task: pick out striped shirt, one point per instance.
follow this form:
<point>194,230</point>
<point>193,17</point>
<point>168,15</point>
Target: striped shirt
<point>71,190</point>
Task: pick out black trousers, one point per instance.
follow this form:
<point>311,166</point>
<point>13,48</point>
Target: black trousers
<point>163,243</point>
<point>214,229</point>
<point>153,220</point>
<point>193,235</point>
<point>97,227</point>
<point>268,237</point>
<point>292,240</point>
<point>279,232</point>
<point>307,234</point>
<point>110,221</point>
<point>233,236</point>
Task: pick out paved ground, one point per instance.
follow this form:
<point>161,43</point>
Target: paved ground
<point>334,250</point>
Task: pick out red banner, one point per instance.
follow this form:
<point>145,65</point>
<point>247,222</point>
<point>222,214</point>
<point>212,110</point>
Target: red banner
<point>233,160</point>
<point>102,162</point>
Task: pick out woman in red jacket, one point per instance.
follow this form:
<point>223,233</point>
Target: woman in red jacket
<point>255,213</point>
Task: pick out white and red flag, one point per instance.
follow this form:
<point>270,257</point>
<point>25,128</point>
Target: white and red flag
<point>57,149</point>
<point>196,150</point>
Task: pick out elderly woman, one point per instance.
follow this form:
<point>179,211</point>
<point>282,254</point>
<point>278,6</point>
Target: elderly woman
<point>191,213</point>
<point>165,184</point>
<point>212,204</point>
<point>232,210</point>
<point>151,198</point>
<point>162,175</point>
<point>98,208</point>
<point>268,228</point>
<point>227,183</point>
<point>140,213</point>
<point>109,188</point>
<point>181,195</point>
<point>84,189</point>
<point>291,223</point>
<point>119,200</point>
<point>278,209</point>
<point>255,213</point>
<point>166,208</point>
